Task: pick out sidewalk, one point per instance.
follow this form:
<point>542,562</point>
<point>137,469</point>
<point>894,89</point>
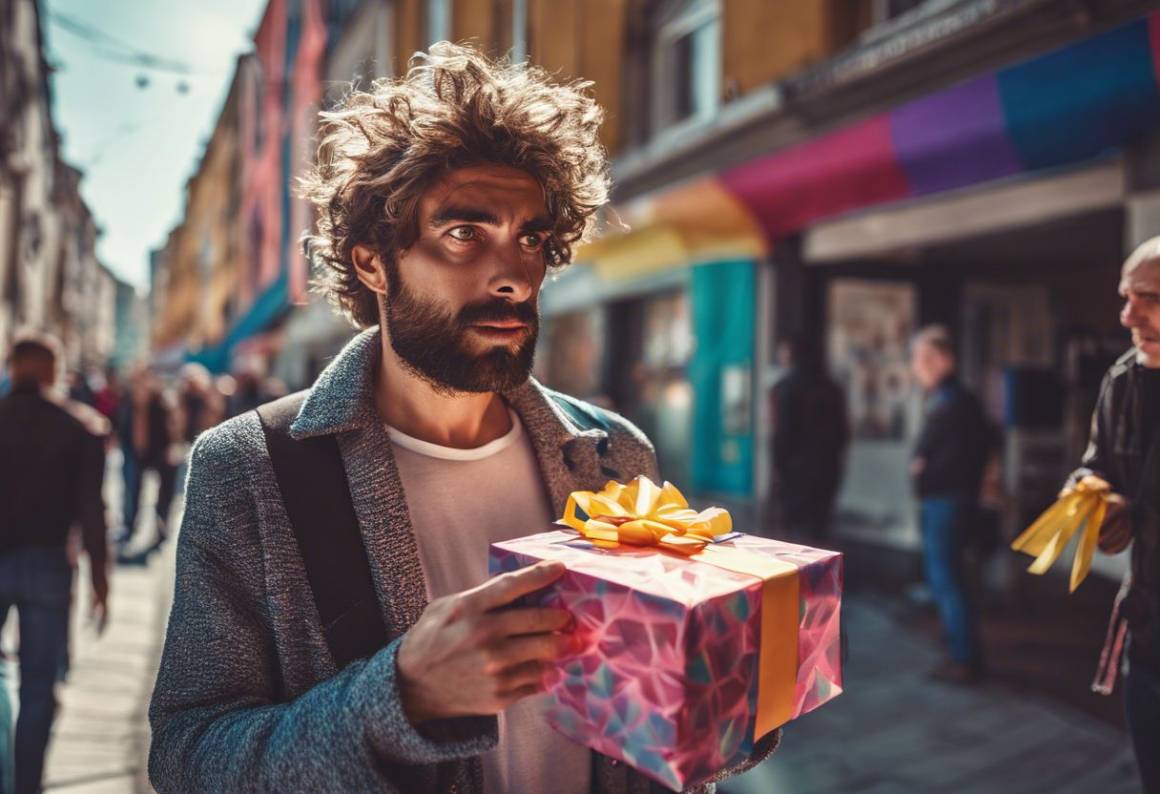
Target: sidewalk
<point>100,739</point>
<point>893,731</point>
<point>101,736</point>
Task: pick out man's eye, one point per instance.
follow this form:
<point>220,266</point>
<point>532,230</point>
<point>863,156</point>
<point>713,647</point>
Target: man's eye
<point>532,240</point>
<point>463,233</point>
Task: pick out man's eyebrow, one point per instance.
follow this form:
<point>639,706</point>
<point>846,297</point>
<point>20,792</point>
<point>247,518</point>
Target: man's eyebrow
<point>540,223</point>
<point>452,213</point>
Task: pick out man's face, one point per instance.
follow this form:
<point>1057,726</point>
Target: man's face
<point>461,306</point>
<point>1140,289</point>
<point>929,364</point>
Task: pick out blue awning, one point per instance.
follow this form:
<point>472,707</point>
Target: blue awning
<point>269,307</point>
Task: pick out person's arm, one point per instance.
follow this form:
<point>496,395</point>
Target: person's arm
<point>1116,529</point>
<point>218,723</point>
<point>94,529</point>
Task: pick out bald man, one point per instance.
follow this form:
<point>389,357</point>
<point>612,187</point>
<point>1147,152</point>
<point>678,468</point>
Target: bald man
<point>1124,451</point>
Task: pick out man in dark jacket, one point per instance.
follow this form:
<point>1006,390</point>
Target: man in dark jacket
<point>444,198</point>
<point>144,424</point>
<point>947,467</point>
<point>810,434</point>
<point>51,471</point>
<point>1124,451</point>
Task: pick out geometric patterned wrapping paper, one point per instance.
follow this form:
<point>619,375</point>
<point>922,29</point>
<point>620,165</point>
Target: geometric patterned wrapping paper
<point>666,679</point>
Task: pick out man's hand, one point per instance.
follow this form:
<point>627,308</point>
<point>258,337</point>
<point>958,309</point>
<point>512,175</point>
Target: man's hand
<point>466,656</point>
<point>99,610</point>
<point>1116,531</point>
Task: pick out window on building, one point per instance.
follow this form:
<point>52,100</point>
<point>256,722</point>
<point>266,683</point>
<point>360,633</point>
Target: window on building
<point>438,20</point>
<point>686,70</point>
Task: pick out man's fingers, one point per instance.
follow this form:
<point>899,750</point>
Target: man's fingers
<point>508,587</point>
<point>532,647</point>
<point>522,675</point>
<point>521,693</point>
<point>529,620</point>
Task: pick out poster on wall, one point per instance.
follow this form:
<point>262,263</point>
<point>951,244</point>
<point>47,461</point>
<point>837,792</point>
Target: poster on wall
<point>870,325</point>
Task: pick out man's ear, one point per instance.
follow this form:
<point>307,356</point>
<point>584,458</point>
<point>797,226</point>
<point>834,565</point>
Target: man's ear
<point>369,269</point>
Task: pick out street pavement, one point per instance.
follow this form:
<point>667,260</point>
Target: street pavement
<point>1030,728</point>
<point>895,731</point>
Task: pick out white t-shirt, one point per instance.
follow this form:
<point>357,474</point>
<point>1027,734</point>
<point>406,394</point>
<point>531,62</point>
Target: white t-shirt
<point>460,501</point>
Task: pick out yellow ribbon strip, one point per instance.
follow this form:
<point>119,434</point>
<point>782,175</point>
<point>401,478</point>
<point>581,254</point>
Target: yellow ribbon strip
<point>642,513</point>
<point>1082,507</point>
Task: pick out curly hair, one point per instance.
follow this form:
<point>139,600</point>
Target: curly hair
<point>380,149</point>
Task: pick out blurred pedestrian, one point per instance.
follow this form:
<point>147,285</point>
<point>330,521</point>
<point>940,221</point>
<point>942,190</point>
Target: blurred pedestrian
<point>146,430</point>
<point>51,473</point>
<point>107,399</point>
<point>1124,451</point>
<point>79,389</point>
<point>198,406</point>
<point>947,467</point>
<point>810,434</point>
<point>247,392</point>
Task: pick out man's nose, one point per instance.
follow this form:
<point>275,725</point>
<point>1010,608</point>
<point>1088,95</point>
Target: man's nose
<point>512,275</point>
<point>1129,317</point>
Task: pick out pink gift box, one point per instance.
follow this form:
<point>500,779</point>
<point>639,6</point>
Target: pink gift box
<point>667,678</point>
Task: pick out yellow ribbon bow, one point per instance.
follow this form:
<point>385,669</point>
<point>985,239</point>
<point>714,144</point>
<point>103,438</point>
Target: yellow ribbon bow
<point>643,513</point>
<point>1082,507</point>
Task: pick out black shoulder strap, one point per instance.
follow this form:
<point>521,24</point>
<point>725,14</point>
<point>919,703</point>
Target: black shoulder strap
<point>317,498</point>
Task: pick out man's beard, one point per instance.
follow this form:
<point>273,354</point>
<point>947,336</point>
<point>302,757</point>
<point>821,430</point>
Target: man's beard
<point>433,344</point>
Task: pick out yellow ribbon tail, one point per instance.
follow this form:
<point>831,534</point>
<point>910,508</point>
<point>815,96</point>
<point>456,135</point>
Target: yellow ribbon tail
<point>1058,541</point>
<point>1036,537</point>
<point>1047,538</point>
<point>1087,546</point>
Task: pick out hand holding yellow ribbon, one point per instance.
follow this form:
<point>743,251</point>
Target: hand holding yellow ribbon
<point>1081,507</point>
<point>643,513</point>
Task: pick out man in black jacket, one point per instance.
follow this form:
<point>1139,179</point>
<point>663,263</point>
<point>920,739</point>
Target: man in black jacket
<point>947,467</point>
<point>1124,451</point>
<point>51,469</point>
<point>810,433</point>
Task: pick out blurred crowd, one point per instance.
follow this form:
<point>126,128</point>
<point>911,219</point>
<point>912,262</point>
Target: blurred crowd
<point>153,418</point>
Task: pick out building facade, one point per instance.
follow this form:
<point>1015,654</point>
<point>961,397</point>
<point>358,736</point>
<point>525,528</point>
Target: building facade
<point>845,169</point>
<point>50,277</point>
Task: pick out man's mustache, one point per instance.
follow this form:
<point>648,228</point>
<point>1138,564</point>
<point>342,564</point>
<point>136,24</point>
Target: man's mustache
<point>498,311</point>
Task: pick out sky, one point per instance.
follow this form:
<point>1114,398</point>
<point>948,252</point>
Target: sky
<point>137,145</point>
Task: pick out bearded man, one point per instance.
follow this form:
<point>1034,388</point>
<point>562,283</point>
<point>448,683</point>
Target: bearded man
<point>445,198</point>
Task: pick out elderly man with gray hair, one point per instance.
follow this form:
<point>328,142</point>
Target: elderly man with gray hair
<point>1124,452</point>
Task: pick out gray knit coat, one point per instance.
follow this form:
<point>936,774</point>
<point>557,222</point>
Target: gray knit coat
<point>248,697</point>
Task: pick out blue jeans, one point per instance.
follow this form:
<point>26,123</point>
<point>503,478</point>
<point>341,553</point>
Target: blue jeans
<point>946,524</point>
<point>37,580</point>
<point>1142,706</point>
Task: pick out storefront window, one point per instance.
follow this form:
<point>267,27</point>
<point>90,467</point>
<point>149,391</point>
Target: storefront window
<point>870,324</point>
<point>664,397</point>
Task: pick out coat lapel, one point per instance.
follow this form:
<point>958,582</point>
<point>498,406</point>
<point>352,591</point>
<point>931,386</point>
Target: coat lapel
<point>342,403</point>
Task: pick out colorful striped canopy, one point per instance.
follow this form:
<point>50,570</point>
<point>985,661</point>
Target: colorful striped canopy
<point>1061,108</point>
